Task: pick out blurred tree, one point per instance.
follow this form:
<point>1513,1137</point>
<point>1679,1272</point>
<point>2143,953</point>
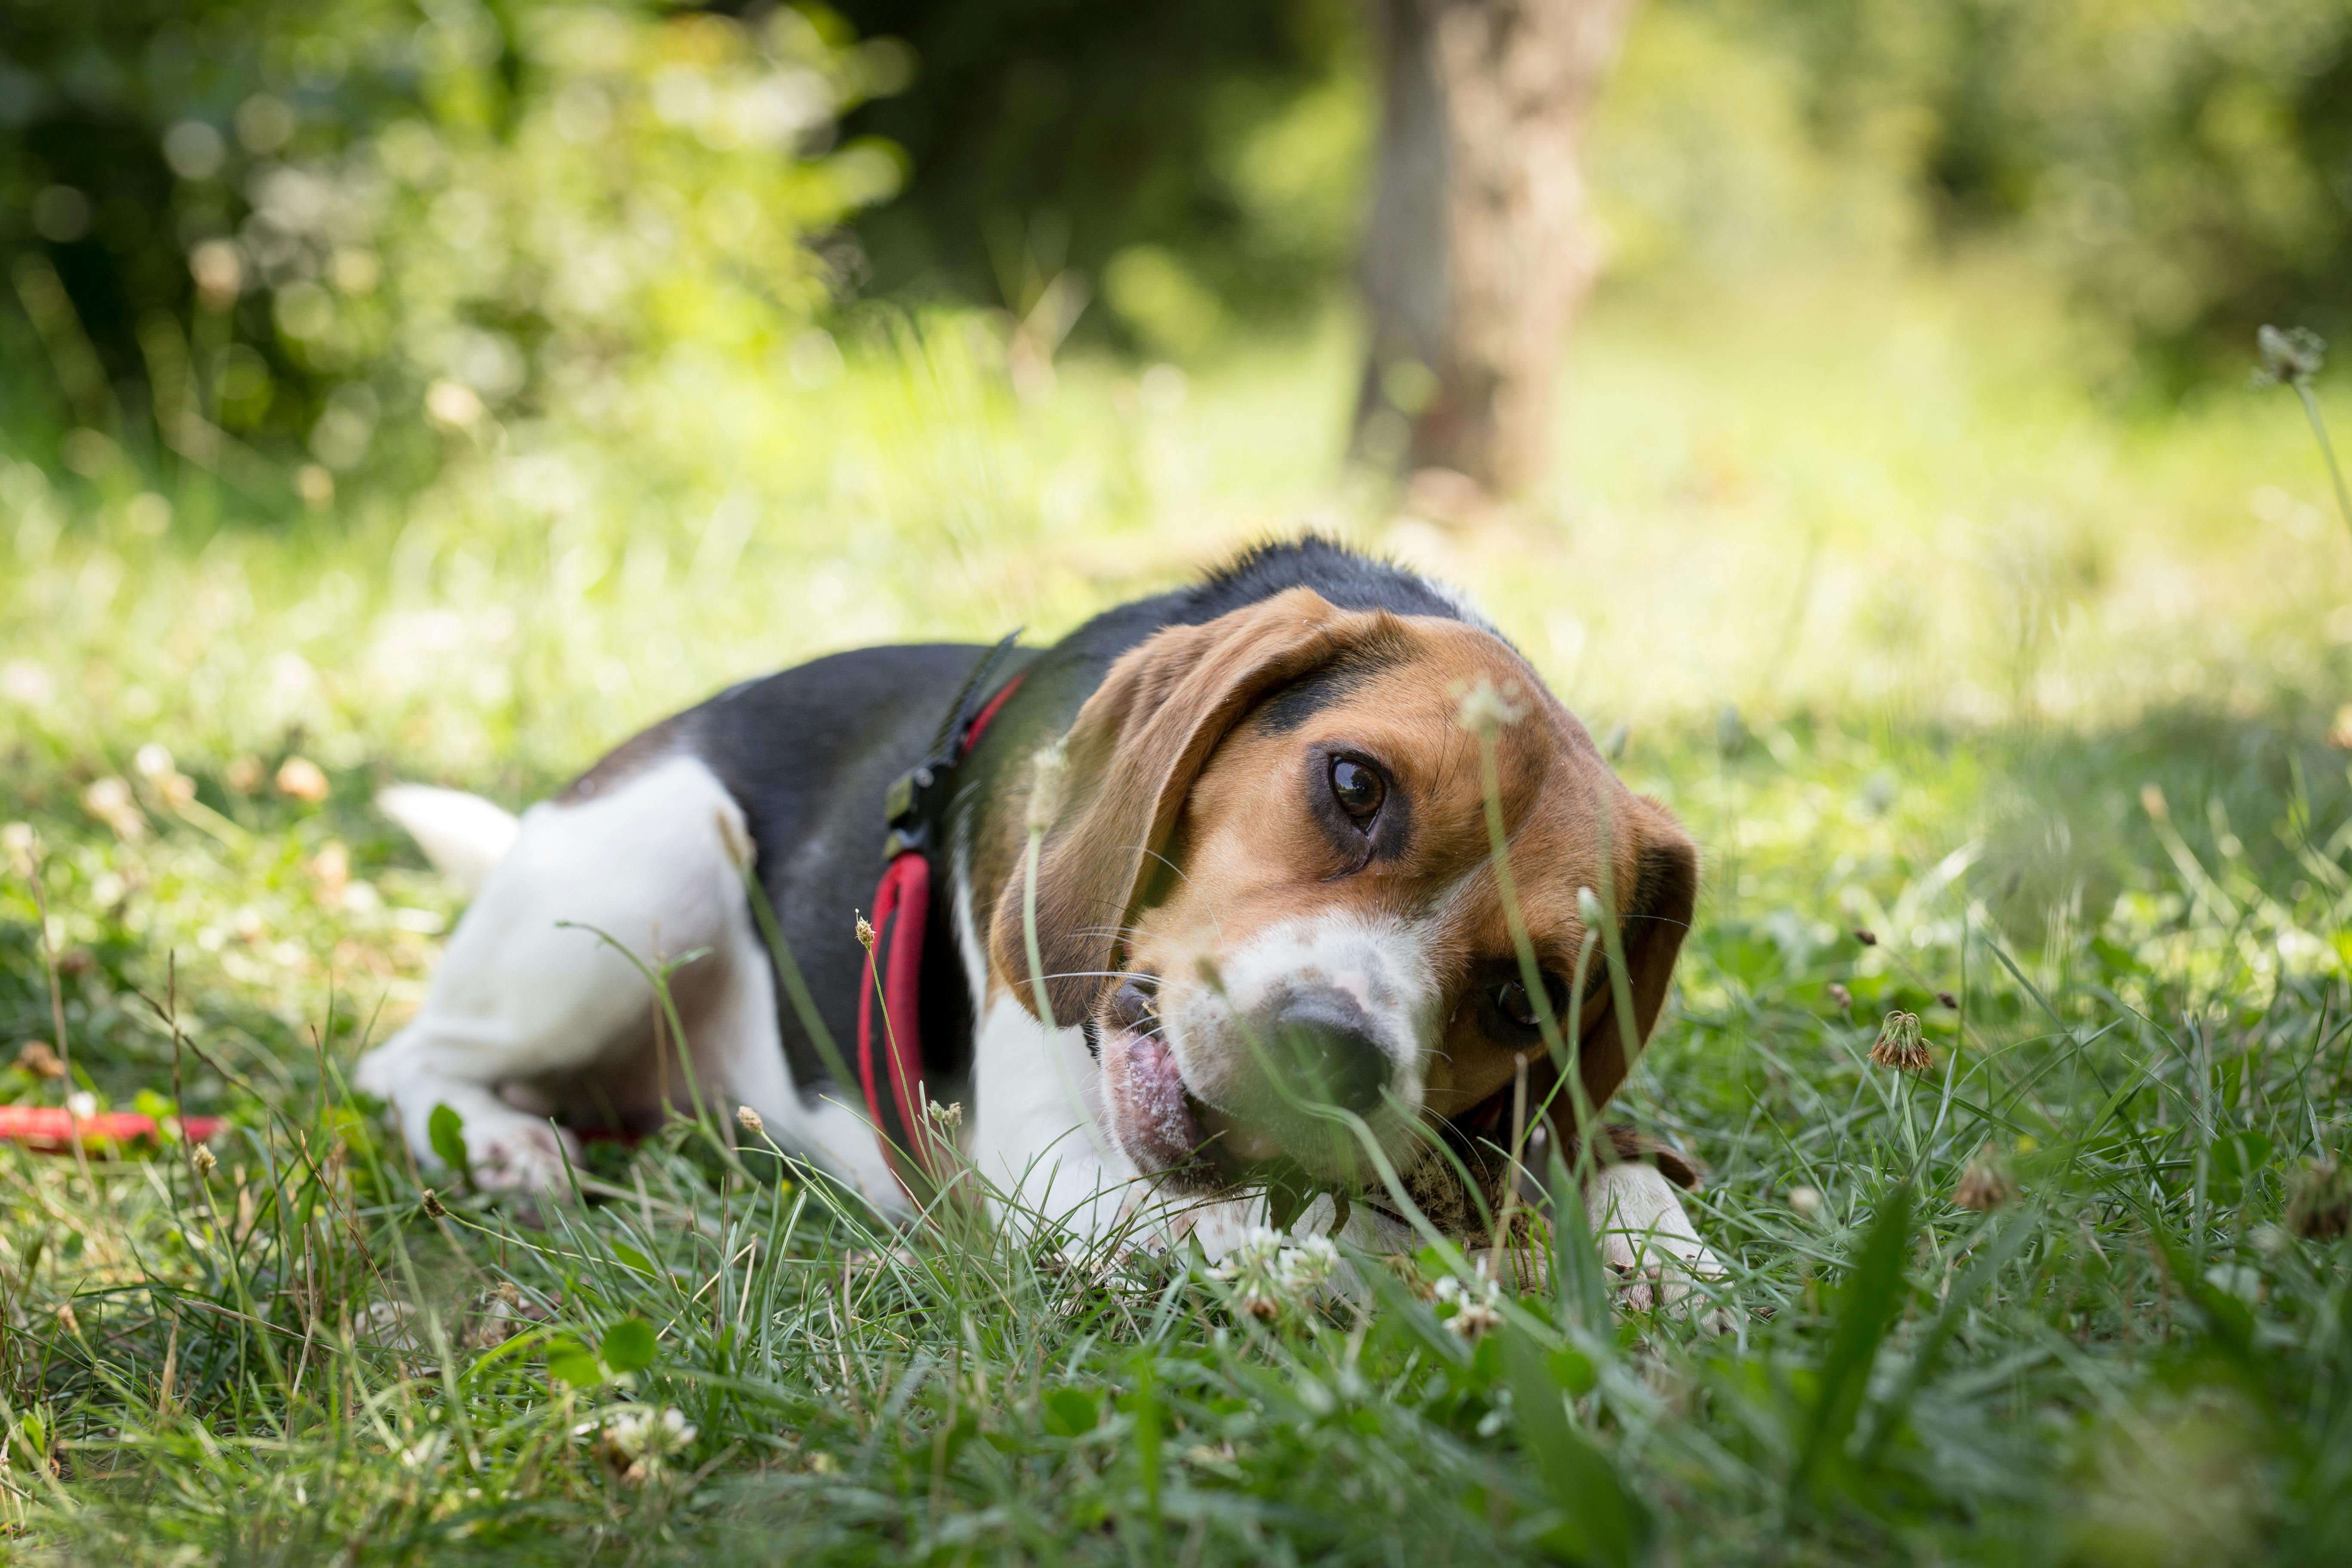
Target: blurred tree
<point>1479,247</point>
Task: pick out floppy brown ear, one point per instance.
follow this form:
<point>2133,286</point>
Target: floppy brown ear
<point>1658,898</point>
<point>1138,745</point>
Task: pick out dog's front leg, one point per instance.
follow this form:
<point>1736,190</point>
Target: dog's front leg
<point>1037,1143</point>
<point>1646,1236</point>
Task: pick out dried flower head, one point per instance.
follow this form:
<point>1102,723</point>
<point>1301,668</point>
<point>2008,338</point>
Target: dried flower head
<point>41,1059</point>
<point>1840,995</point>
<point>431,1205</point>
<point>865,933</point>
<point>303,779</point>
<point>109,800</point>
<point>204,1160</point>
<point>1049,782</point>
<point>2291,356</point>
<point>1984,1184</point>
<point>2319,1205</point>
<point>1899,1045</point>
<point>1949,1000</point>
<point>153,762</point>
<point>1865,935</point>
<point>748,1121</point>
<point>501,1313</point>
<point>17,839</point>
<point>1486,708</point>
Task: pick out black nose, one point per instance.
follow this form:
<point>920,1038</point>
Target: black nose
<point>1325,1050</point>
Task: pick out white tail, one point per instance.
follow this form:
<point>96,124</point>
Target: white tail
<point>463,834</point>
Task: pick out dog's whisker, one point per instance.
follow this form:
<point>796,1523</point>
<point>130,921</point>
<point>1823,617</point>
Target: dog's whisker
<point>1156,855</point>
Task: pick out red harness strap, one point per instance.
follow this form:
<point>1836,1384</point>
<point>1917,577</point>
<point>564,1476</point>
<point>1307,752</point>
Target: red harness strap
<point>902,909</point>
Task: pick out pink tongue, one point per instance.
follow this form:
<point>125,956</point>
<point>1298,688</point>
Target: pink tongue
<point>1143,1075</point>
<point>1158,1086</point>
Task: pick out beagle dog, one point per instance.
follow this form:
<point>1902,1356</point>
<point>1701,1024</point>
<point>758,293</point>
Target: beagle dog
<point>1271,937</point>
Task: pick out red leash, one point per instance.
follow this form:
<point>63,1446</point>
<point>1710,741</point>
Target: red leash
<point>902,911</point>
<point>53,1129</point>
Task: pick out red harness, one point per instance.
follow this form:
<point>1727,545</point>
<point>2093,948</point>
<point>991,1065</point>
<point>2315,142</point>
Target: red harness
<point>902,908</point>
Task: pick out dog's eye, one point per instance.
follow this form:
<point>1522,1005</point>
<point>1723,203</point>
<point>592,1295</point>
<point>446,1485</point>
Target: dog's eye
<point>1359,789</point>
<point>1512,1001</point>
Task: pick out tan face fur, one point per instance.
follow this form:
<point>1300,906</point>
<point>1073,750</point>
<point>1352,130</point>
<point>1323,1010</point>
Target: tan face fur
<point>1318,919</point>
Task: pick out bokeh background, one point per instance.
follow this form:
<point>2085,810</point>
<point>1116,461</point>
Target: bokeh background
<point>581,357</point>
<point>443,390</point>
<point>1845,403</point>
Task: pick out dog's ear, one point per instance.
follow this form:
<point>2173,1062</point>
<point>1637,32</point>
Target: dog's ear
<point>1658,881</point>
<point>1133,754</point>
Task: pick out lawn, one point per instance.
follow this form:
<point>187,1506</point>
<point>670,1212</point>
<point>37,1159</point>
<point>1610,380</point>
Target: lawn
<point>1993,699</point>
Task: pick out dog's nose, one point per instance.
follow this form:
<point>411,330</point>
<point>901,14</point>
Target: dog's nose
<point>1326,1051</point>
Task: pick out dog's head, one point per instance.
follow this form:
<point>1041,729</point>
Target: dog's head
<point>1270,889</point>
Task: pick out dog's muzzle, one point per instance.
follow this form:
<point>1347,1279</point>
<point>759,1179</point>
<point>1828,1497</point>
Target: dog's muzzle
<point>1204,1085</point>
<point>1323,1050</point>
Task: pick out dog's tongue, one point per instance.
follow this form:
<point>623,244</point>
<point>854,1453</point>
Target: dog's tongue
<point>1148,1096</point>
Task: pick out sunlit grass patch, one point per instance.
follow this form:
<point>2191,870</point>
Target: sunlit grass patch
<point>2161,1079</point>
<point>1919,643</point>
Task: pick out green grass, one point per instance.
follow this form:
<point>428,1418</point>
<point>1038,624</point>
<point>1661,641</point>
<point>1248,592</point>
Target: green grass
<point>1966,615</point>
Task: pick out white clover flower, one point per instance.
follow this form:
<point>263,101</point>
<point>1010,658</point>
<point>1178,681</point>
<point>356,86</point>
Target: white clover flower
<point>1269,1276</point>
<point>637,1431</point>
<point>1308,1266</point>
<point>636,1438</point>
<point>1475,1313</point>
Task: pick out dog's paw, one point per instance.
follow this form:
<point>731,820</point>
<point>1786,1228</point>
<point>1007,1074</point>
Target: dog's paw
<point>510,1153</point>
<point>1661,1270</point>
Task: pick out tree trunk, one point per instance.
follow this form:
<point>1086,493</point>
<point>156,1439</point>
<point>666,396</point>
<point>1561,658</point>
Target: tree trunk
<point>1479,250</point>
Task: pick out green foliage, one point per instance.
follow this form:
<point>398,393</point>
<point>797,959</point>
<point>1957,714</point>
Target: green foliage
<point>628,1345</point>
<point>2180,164</point>
<point>1871,1298</point>
<point>447,1130</point>
<point>367,228</point>
<point>1600,1520</point>
<point>1193,159</point>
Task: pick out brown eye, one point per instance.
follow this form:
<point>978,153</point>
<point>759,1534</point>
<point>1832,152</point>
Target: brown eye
<point>1358,789</point>
<point>1512,1001</point>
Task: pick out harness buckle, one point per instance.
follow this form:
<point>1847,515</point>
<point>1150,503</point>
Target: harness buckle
<point>906,806</point>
